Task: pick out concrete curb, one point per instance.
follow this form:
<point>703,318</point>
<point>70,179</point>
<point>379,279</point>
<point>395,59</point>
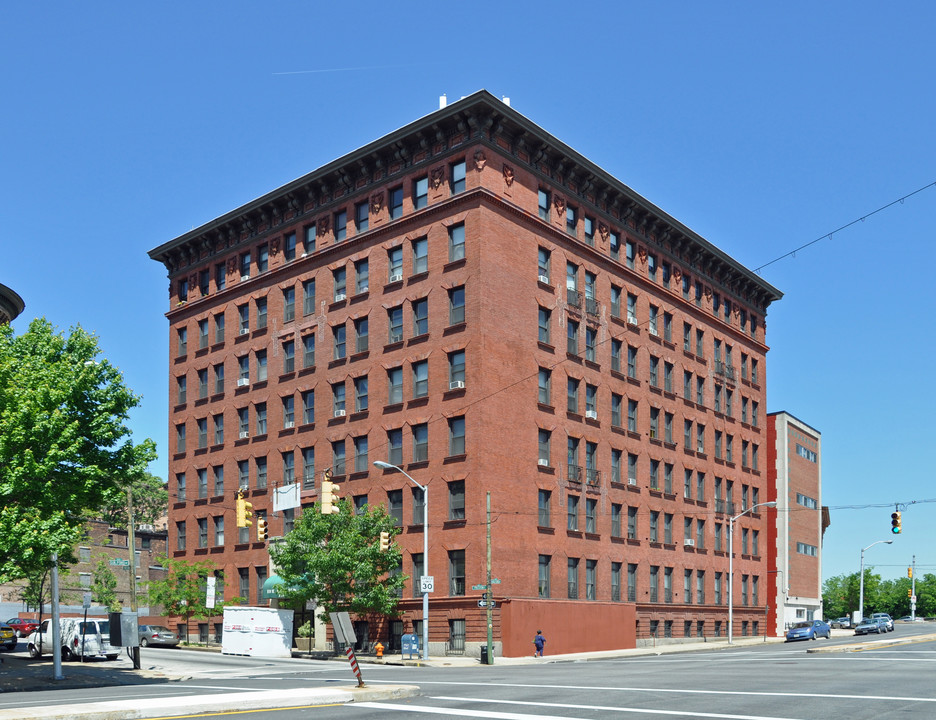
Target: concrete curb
<point>263,700</point>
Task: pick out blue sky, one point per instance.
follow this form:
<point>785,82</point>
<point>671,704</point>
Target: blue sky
<point>762,126</point>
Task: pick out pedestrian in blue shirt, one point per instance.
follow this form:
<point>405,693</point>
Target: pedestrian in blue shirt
<point>539,642</point>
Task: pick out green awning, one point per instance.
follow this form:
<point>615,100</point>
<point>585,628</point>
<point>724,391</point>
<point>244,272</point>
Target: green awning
<point>273,588</point>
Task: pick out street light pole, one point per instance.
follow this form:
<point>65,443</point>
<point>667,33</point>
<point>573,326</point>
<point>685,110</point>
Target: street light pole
<point>425,568</point>
<point>861,579</point>
<point>731,565</point>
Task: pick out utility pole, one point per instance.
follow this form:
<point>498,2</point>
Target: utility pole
<point>131,542</point>
<point>913,589</point>
<point>490,596</point>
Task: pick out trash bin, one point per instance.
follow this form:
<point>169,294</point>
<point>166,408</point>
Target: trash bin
<point>484,655</point>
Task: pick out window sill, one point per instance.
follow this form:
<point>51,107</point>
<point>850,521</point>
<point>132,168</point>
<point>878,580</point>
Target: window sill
<point>359,356</point>
<point>391,286</point>
<point>546,530</point>
<point>454,264</point>
<point>454,459</point>
<point>392,408</point>
<point>418,339</point>
<point>359,415</point>
<point>337,421</point>
<point>546,347</point>
<point>337,362</point>
<point>547,469</point>
<point>450,524</point>
<point>452,329</point>
<point>417,402</point>
<point>418,465</point>
<point>416,277</point>
<point>391,346</point>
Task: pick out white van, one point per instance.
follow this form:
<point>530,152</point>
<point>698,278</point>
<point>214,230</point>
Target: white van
<point>80,639</point>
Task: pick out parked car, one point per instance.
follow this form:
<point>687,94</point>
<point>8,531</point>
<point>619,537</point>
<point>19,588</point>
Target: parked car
<point>22,626</point>
<point>871,625</point>
<point>842,622</point>
<point>157,635</point>
<point>809,630</point>
<point>889,624</point>
<point>908,618</point>
<point>80,638</point>
<point>7,636</point>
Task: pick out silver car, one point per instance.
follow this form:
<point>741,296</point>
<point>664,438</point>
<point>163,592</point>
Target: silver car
<point>157,635</point>
<point>888,622</point>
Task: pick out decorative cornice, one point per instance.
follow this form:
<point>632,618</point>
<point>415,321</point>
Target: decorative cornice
<point>11,304</point>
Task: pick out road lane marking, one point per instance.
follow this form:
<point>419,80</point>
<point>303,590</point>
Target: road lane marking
<point>500,715</point>
<point>681,691</point>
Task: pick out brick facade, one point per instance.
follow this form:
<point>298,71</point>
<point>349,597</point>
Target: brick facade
<point>481,248</point>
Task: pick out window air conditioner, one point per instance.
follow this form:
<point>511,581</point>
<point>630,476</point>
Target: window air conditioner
<point>289,424</point>
<point>543,279</point>
<point>244,331</point>
<point>243,435</point>
<point>542,463</point>
<point>243,382</point>
<point>339,413</point>
<point>396,278</point>
<point>591,414</point>
<point>457,385</point>
<point>339,297</point>
<point>631,481</point>
<point>631,320</point>
<point>653,331</point>
<point>689,542</point>
<point>245,277</point>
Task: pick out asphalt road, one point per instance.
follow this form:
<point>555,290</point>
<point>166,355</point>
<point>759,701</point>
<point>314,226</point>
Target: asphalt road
<point>884,681</point>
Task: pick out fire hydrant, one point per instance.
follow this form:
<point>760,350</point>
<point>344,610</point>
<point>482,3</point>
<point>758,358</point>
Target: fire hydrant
<point>378,648</point>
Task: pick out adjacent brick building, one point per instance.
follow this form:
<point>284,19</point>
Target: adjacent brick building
<point>473,300</point>
<point>794,459</point>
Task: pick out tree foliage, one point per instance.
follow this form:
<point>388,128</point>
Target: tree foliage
<point>840,595</point>
<point>335,560</point>
<point>104,586</point>
<point>183,591</point>
<point>64,443</point>
<point>150,501</point>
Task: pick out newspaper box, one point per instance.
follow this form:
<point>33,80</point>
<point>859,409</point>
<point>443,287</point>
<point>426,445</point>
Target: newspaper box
<point>257,631</point>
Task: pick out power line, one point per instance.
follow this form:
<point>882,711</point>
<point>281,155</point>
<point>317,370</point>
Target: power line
<point>828,235</point>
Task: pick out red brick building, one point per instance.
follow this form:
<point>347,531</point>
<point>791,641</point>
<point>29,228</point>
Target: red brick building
<point>473,300</point>
<point>794,460</point>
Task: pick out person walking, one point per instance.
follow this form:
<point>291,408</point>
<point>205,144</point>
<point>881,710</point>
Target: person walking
<point>539,642</point>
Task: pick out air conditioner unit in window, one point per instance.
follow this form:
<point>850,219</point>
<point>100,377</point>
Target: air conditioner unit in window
<point>244,331</point>
<point>457,385</point>
<point>689,542</point>
<point>543,279</point>
<point>542,463</point>
<point>631,481</point>
<point>245,277</point>
<point>243,435</point>
<point>396,278</point>
<point>591,414</point>
<point>653,331</point>
<point>243,382</point>
<point>339,297</point>
<point>631,320</point>
<point>339,413</point>
<point>289,424</point>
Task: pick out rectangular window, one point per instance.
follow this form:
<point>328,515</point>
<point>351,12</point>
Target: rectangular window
<point>340,284</point>
<point>591,571</point>
<point>339,341</point>
<point>457,177</point>
<point>456,362</point>
<point>572,510</point>
<point>395,324</point>
<point>456,572</point>
<point>360,393</point>
<point>182,338</point>
<point>338,457</point>
<point>456,305</point>
<point>361,335</point>
<point>420,317</point>
<point>245,265</point>
<point>289,412</point>
<point>180,535</point>
<point>202,532</point>
<point>395,202</point>
<point>261,412</point>
<point>591,515</point>
<point>420,443</point>
<point>456,235</point>
<point>456,436</point>
<point>361,217</point>
<point>544,440</point>
<point>308,468</point>
<point>543,202</point>
<point>289,356</point>
<point>360,453</point>
<point>203,334</point>
<point>420,255</point>
<point>308,297</point>
<point>544,500</point>
<point>220,276</point>
<point>572,574</point>
<point>219,328</point>
<point>361,276</point>
<point>571,219</point>
<point>543,265</point>
<point>308,407</point>
<point>394,386</point>
<point>543,582</point>
<point>456,494</point>
<point>420,192</point>
<point>261,470</point>
<point>263,258</point>
<point>341,225</point>
<point>395,447</point>
<point>289,304</point>
<point>589,228</point>
<point>218,429</point>
<point>261,306</point>
<point>544,318</point>
<point>308,351</point>
<point>420,378</point>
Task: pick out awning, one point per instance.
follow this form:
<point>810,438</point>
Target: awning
<point>273,588</point>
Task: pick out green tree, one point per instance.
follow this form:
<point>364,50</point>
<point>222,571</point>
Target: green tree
<point>150,501</point>
<point>183,591</point>
<point>104,586</point>
<point>64,443</point>
<point>335,560</point>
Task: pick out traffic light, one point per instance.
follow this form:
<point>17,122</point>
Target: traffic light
<point>895,522</point>
<point>330,497</point>
<point>384,541</point>
<point>262,533</point>
<point>243,510</point>
<point>910,572</point>
<point>909,592</point>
